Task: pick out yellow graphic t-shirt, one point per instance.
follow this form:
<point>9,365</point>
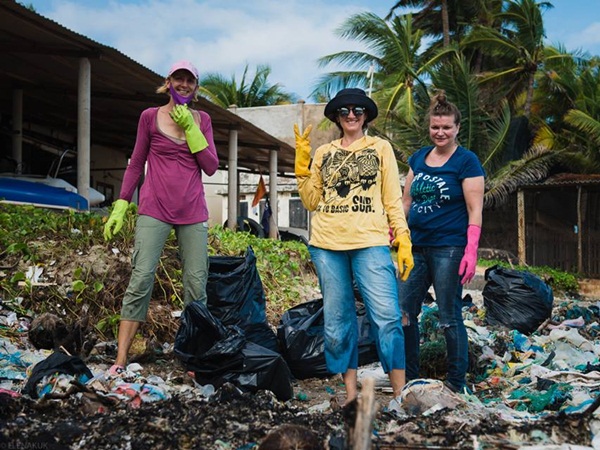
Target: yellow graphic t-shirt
<point>355,194</point>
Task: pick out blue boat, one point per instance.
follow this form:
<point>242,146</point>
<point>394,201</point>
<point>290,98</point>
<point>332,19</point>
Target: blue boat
<point>23,192</point>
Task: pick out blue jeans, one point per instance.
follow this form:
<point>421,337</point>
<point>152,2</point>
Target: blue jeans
<point>437,266</point>
<point>375,275</point>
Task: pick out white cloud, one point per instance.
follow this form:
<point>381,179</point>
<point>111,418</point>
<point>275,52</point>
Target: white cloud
<point>587,38</point>
<point>217,35</point>
<point>290,35</point>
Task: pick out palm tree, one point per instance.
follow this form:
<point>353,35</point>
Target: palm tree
<point>256,92</point>
<point>428,9</point>
<point>393,52</point>
<point>490,91</point>
<point>449,19</point>
<point>517,50</point>
<point>569,99</point>
<point>486,131</point>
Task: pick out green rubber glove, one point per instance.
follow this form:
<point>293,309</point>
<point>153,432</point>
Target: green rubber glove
<point>182,116</point>
<point>115,221</point>
<point>405,257</point>
<point>302,151</point>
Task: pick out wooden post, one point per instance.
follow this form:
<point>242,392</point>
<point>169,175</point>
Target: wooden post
<point>580,216</point>
<point>364,418</point>
<point>522,252</point>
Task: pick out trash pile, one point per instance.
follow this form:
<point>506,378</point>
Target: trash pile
<point>533,380</point>
<point>547,371</point>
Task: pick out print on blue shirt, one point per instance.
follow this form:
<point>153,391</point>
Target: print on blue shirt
<point>438,213</point>
<point>431,192</point>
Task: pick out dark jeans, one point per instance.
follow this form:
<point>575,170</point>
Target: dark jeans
<point>437,266</point>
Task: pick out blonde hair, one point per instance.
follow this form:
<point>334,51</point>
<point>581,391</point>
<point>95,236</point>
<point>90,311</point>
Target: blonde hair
<point>440,106</point>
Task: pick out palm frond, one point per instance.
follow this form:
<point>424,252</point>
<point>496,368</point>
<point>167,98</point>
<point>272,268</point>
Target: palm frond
<point>498,132</point>
<point>584,123</point>
<point>534,166</point>
<point>545,137</point>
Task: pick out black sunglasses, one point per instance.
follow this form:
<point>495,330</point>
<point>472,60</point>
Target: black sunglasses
<point>345,111</point>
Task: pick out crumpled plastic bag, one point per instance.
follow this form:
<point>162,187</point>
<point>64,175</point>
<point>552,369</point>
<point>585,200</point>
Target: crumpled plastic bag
<point>220,354</point>
<point>518,300</point>
<point>301,337</point>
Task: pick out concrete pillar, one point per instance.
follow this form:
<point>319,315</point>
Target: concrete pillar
<point>232,180</point>
<point>274,222</point>
<point>17,135</point>
<point>83,127</point>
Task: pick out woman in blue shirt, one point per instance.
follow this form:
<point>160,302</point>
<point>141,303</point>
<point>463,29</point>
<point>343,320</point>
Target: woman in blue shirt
<point>443,201</point>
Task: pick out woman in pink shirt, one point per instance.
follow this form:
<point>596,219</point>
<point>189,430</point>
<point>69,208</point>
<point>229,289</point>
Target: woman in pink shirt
<point>175,145</point>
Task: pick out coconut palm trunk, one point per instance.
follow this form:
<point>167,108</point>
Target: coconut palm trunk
<point>445,23</point>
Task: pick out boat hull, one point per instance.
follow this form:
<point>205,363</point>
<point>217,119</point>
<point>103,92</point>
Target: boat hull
<point>94,197</point>
<point>17,191</point>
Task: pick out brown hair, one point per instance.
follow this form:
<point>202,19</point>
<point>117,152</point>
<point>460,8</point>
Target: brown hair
<point>440,106</point>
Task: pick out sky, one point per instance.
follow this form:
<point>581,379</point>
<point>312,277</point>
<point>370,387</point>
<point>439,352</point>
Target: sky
<point>223,36</point>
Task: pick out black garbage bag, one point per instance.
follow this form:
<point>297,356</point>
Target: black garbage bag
<point>236,297</point>
<point>300,335</point>
<point>219,354</point>
<point>57,362</point>
<point>519,300</point>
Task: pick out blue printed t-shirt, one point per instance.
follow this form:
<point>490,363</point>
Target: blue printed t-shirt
<point>438,213</point>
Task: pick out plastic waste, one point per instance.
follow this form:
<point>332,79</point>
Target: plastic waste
<point>420,395</point>
<point>300,335</point>
<point>219,354</point>
<point>235,295</point>
<point>516,299</point>
<point>56,363</point>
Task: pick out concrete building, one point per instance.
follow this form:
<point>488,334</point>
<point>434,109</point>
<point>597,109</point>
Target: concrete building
<point>278,121</point>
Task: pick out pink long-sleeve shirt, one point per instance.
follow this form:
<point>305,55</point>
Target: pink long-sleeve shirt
<point>172,191</point>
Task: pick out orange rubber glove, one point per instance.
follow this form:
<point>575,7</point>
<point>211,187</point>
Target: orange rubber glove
<point>302,151</point>
<point>405,257</point>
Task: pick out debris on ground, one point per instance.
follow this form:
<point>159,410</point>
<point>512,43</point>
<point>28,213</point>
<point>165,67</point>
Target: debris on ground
<point>525,391</point>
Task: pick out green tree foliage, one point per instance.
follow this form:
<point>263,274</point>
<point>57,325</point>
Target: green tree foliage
<point>528,108</point>
<point>250,91</point>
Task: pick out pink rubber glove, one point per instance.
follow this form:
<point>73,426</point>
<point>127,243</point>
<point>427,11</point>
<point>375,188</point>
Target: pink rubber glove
<point>469,260</point>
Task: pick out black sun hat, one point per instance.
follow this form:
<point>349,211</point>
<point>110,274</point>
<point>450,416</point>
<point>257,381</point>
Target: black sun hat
<point>351,96</point>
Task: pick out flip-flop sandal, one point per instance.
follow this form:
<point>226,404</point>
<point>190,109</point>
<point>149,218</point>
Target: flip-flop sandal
<point>116,370</point>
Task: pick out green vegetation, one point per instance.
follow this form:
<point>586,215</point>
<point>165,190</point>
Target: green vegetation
<point>78,273</point>
<point>561,282</point>
<point>257,91</point>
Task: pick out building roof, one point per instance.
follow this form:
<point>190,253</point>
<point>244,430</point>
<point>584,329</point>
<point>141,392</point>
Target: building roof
<point>42,58</point>
<point>566,179</point>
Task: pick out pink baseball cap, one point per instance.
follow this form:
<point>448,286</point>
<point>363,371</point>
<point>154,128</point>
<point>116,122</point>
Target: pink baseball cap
<point>185,65</point>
